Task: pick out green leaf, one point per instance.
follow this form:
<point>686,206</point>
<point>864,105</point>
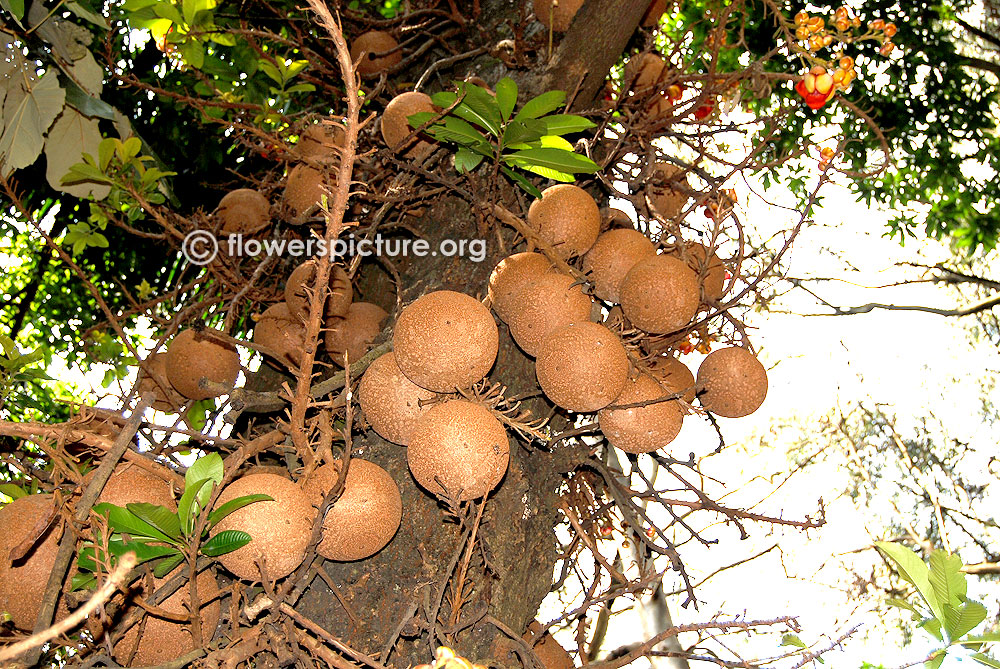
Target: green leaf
<point>564,124</point>
<point>556,159</point>
<point>936,660</point>
<point>521,181</point>
<point>124,521</point>
<point>85,172</point>
<point>189,506</point>
<point>792,640</point>
<point>947,579</point>
<point>235,505</point>
<point>29,109</point>
<point>986,660</point>
<point>206,467</point>
<point>479,107</point>
<point>193,53</point>
<point>912,568</point>
<point>903,604</point>
<point>167,565</point>
<point>550,173</point>
<point>990,637</point>
<point>87,104</point>
<point>225,542</point>
<point>159,517</point>
<point>541,105</point>
<point>144,551</point>
<point>933,627</point>
<point>467,160</point>
<point>506,97</point>
<point>166,10</point>
<point>523,132</point>
<point>12,491</point>
<point>83,581</point>
<point>960,622</point>
<point>15,8</point>
<point>456,130</point>
<point>444,99</point>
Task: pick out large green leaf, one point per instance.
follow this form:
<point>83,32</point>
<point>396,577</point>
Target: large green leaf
<point>479,107</point>
<point>555,159</point>
<point>963,620</point>
<point>72,135</point>
<point>541,105</point>
<point>225,542</point>
<point>124,521</point>
<point>144,551</point>
<point>206,467</point>
<point>506,97</point>
<point>189,505</point>
<point>947,579</point>
<point>523,132</point>
<point>167,565</point>
<point>235,505</point>
<point>521,181</point>
<point>15,8</point>
<point>564,124</point>
<point>467,160</point>
<point>12,491</point>
<point>986,660</point>
<point>28,111</point>
<point>991,637</point>
<point>159,517</point>
<point>912,568</point>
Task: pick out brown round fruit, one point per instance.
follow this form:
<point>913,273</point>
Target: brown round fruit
<point>556,14</point>
<point>673,375</point>
<point>643,72</point>
<point>304,189</point>
<point>366,515</point>
<point>243,211</point>
<point>652,16</point>
<point>509,276</point>
<point>153,379</point>
<point>391,401</point>
<point>353,335</point>
<point>396,127</point>
<point>711,273</point>
<point>163,640</point>
<point>321,143</point>
<point>642,429</point>
<point>582,367</point>
<point>660,294</point>
<point>282,333</point>
<point>194,355</point>
<point>549,651</point>
<point>281,528</point>
<point>545,304</point>
<point>732,382</point>
<point>668,186</point>
<point>22,583</point>
<point>566,217</point>
<point>131,484</point>
<point>445,340</point>
<point>375,44</point>
<point>616,218</point>
<point>301,281</point>
<point>614,253</point>
<point>459,444</point>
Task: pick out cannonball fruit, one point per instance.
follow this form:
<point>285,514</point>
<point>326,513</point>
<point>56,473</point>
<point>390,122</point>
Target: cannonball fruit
<point>566,217</point>
<point>556,14</point>
<point>660,294</point>
<point>643,72</point>
<point>304,189</point>
<point>396,127</point>
<point>641,429</point>
<point>732,382</point>
<point>445,340</point>
<point>353,335</point>
<point>195,355</point>
<point>302,281</point>
<point>281,332</point>
<point>547,649</point>
<point>281,528</point>
<point>164,640</point>
<point>243,210</point>
<point>152,378</point>
<point>375,44</point>
<point>131,484</point>
<point>612,256</point>
<point>544,304</point>
<point>391,402</point>
<point>22,583</point>
<point>321,143</point>
<point>582,367</point>
<point>668,186</point>
<point>673,375</point>
<point>509,276</point>
<point>366,515</point>
<point>709,269</point>
<point>461,445</point>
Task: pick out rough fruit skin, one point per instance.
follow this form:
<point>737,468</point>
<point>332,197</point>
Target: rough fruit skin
<point>445,340</point>
<point>395,126</point>
<point>582,367</point>
<point>391,401</point>
<point>711,272</point>
<point>614,253</point>
<point>673,375</point>
<point>641,429</point>
<point>153,379</point>
<point>303,189</point>
<point>320,143</point>
<point>192,356</point>
<point>509,276</point>
<point>544,304</point>
<point>164,640</point>
<point>667,187</point>
<point>365,517</point>
<point>243,210</point>
<point>355,333</point>
<point>374,42</point>
<point>281,332</point>
<point>566,217</point>
<point>339,296</point>
<point>557,16</point>
<point>130,484</point>
<point>660,294</point>
<point>280,528</point>
<point>23,583</point>
<point>463,445</point>
<point>732,382</point>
